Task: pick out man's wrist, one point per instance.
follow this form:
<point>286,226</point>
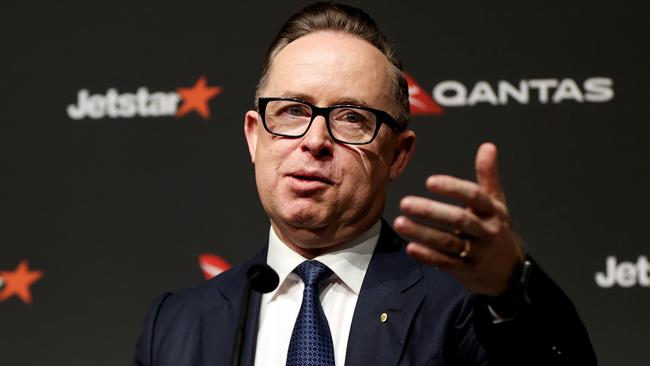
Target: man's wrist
<point>509,304</point>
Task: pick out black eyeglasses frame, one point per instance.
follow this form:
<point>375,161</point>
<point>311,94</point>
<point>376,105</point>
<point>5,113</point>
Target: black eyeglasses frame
<point>381,117</point>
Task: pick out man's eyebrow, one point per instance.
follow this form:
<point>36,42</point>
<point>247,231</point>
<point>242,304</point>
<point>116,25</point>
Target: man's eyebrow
<point>340,101</point>
<point>299,96</point>
<point>352,101</point>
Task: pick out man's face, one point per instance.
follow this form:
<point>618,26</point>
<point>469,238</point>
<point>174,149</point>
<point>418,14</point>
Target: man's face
<point>317,192</point>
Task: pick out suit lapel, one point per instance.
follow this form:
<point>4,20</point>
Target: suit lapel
<point>387,289</point>
<point>220,315</point>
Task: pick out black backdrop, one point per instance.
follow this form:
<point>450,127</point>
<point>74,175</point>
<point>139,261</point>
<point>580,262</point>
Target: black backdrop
<point>115,210</point>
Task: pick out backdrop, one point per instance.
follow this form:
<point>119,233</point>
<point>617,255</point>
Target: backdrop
<point>125,170</point>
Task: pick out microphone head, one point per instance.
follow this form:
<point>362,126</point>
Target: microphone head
<point>262,278</point>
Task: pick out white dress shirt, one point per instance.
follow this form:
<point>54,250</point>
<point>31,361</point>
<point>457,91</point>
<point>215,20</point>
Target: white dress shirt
<point>338,295</point>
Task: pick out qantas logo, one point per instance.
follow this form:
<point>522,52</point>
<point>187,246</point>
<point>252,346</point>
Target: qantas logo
<point>18,283</point>
<point>452,93</point>
<point>144,103</point>
<point>212,265</point>
<point>420,101</point>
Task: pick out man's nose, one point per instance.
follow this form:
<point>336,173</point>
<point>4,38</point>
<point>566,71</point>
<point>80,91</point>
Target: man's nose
<point>317,140</point>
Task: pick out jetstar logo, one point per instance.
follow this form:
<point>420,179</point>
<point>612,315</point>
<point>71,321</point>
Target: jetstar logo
<point>453,93</point>
<point>143,103</point>
<point>18,282</point>
<point>623,273</point>
<point>212,265</point>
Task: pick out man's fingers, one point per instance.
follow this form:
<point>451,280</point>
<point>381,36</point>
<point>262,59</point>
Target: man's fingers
<point>469,193</point>
<point>440,240</point>
<point>431,256</point>
<point>441,215</point>
<point>487,170</point>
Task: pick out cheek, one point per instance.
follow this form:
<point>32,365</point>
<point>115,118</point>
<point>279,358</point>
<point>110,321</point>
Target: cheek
<point>372,165</point>
<point>366,174</point>
<point>270,156</point>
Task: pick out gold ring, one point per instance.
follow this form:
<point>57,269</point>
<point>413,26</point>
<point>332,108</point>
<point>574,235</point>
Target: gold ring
<point>466,249</point>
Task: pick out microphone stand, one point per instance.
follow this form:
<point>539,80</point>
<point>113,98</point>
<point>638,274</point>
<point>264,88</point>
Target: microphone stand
<point>261,278</point>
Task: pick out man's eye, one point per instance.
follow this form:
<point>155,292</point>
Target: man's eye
<point>351,117</point>
<point>297,110</point>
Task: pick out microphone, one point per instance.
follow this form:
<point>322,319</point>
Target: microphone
<point>261,278</point>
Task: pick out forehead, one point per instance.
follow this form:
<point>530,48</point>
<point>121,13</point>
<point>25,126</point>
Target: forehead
<point>330,67</point>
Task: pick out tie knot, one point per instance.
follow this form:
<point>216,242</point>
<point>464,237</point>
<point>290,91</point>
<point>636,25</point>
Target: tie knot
<point>312,272</point>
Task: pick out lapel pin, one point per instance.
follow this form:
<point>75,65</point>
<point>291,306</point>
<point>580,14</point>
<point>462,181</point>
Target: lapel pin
<point>383,317</point>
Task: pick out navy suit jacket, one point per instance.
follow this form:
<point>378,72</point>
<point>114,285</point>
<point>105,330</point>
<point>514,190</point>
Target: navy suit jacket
<point>432,320</point>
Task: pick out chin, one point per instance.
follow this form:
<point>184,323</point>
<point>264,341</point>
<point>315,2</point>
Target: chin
<point>302,219</point>
<point>303,213</point>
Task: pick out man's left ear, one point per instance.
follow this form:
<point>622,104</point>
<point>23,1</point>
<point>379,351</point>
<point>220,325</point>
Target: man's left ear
<point>402,154</point>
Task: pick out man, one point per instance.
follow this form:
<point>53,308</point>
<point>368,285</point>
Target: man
<point>328,134</point>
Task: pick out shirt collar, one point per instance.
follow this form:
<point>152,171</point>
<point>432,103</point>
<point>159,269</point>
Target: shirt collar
<point>349,262</point>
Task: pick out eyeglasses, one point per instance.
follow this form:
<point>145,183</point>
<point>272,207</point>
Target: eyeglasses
<point>348,124</point>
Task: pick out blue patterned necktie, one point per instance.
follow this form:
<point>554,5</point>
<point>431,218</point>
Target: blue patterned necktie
<point>311,341</point>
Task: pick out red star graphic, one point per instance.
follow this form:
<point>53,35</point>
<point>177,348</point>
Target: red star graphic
<point>196,98</point>
<point>17,283</point>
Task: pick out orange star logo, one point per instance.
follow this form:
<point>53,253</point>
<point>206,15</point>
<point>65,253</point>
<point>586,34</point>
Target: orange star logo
<point>196,98</point>
<point>17,283</point>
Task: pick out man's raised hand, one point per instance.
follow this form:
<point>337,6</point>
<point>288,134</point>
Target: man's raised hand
<point>475,243</point>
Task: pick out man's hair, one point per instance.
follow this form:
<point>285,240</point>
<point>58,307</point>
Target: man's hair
<point>323,16</point>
